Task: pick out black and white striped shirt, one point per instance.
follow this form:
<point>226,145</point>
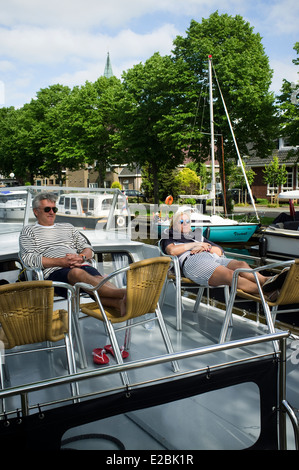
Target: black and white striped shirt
<point>55,241</point>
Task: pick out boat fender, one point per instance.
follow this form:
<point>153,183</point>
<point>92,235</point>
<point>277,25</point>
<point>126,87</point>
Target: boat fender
<point>169,200</point>
<point>120,221</point>
<point>263,246</point>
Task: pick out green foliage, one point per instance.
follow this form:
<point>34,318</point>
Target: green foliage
<point>188,182</point>
<point>289,110</point>
<point>116,185</point>
<point>275,174</point>
<point>244,75</point>
<point>152,112</point>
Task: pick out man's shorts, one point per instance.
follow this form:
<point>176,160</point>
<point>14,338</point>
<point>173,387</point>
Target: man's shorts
<point>61,275</point>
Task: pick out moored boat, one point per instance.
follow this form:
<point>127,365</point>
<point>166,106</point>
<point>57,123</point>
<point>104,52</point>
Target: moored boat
<point>215,227</point>
<point>12,204</point>
<point>281,238</point>
<point>92,209</point>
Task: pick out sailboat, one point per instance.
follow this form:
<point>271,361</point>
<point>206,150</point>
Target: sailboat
<point>216,227</point>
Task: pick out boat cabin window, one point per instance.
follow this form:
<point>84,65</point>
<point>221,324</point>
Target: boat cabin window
<point>73,203</point>
<point>87,204</point>
<point>12,197</point>
<point>106,204</point>
<point>69,203</point>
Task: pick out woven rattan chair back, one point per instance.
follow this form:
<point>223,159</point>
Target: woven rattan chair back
<point>26,314</point>
<point>145,280</point>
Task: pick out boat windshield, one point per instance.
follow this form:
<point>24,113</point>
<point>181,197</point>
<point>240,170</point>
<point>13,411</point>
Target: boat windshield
<point>90,209</point>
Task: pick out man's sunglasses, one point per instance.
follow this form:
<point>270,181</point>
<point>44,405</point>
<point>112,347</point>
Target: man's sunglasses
<point>48,209</point>
<point>187,221</point>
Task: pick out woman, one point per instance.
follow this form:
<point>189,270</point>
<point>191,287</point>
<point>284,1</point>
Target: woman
<point>204,262</point>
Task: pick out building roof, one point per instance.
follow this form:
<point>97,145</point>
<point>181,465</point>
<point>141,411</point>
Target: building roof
<point>282,154</point>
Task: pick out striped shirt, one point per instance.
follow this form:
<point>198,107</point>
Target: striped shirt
<point>54,241</point>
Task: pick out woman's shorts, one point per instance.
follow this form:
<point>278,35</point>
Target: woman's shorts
<point>200,266</point>
<point>61,275</point>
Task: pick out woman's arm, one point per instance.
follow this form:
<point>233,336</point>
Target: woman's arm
<point>196,247</point>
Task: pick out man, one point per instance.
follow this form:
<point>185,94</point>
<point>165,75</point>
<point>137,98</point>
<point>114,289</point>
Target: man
<point>62,252</point>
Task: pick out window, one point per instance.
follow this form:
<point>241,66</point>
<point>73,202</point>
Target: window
<point>73,203</point>
<point>289,183</point>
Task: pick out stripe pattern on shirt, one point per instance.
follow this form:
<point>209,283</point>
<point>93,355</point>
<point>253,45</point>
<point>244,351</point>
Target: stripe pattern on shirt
<point>38,241</point>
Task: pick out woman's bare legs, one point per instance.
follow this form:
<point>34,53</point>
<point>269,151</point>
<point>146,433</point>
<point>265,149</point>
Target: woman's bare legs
<point>246,281</point>
<point>235,264</point>
<point>111,296</point>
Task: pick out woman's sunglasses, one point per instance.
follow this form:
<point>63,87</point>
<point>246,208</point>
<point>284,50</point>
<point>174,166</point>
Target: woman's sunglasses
<point>187,221</point>
<point>48,209</point>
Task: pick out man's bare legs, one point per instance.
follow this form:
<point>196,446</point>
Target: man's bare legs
<point>246,281</point>
<point>111,296</point>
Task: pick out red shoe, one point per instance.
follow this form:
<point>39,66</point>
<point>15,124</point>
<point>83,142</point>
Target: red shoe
<point>99,357</point>
<point>124,353</point>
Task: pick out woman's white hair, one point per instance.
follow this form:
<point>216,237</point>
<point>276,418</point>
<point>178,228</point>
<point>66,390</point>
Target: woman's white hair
<point>175,223</point>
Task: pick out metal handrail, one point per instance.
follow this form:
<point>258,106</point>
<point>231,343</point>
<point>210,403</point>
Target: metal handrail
<point>117,368</point>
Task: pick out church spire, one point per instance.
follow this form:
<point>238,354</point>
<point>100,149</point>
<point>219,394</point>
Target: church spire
<point>108,68</point>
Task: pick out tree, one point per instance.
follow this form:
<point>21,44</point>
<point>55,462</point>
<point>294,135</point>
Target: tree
<point>87,125</point>
<point>289,110</point>
<point>244,75</point>
<point>29,140</point>
<point>152,115</point>
<point>275,174</point>
<point>187,181</point>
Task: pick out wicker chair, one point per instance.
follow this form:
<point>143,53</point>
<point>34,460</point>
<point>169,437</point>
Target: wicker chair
<point>175,276</point>
<point>288,295</point>
<point>145,281</point>
<point>27,317</point>
<point>31,274</point>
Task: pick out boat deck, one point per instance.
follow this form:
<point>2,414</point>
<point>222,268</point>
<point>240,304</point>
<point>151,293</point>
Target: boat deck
<point>222,397</point>
<point>228,418</point>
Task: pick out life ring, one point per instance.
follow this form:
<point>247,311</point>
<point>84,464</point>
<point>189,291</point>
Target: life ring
<point>292,209</point>
<point>120,221</point>
<point>169,200</point>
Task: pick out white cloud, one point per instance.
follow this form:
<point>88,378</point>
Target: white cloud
<point>66,41</point>
<point>98,13</point>
<point>49,46</point>
<point>283,70</point>
<point>283,17</point>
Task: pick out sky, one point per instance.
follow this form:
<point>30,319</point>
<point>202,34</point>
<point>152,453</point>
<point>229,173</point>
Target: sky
<point>44,42</point>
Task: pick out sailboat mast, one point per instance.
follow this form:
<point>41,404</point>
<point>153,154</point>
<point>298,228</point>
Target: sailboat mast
<point>213,183</point>
<point>238,154</point>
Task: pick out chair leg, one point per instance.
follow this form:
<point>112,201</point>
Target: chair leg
<point>270,323</point>
<point>71,364</point>
<point>274,312</point>
<point>128,335</point>
<point>2,402</point>
<point>227,318</point>
<point>198,298</point>
<point>164,290</point>
<point>117,353</point>
<point>166,337</point>
<point>179,306</point>
<point>79,343</point>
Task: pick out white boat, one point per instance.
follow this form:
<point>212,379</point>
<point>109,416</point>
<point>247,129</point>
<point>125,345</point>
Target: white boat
<point>215,227</point>
<point>92,209</point>
<point>12,204</point>
<point>226,395</point>
<point>281,238</point>
<point>218,228</point>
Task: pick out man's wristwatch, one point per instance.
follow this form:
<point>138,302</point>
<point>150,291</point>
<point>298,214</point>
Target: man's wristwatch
<point>84,257</point>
